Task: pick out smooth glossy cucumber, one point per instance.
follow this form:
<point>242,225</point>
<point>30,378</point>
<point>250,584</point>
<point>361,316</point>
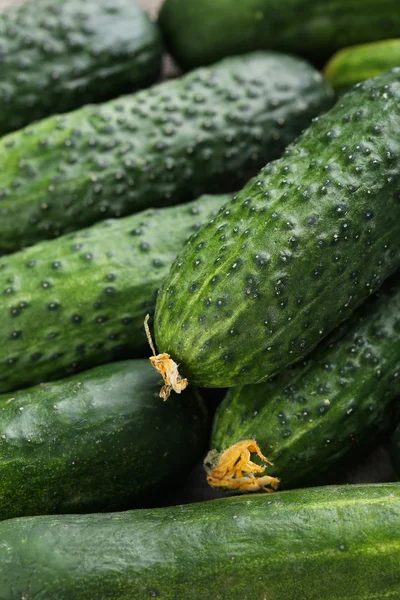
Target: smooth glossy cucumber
<point>357,63</point>
<point>102,440</point>
<point>331,406</point>
<point>296,250</point>
<point>79,301</point>
<point>206,132</point>
<point>199,32</point>
<point>57,55</point>
<point>336,543</point>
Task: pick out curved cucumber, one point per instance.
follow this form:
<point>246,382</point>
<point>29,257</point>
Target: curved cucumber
<point>79,301</point>
<point>333,404</point>
<point>295,251</point>
<point>206,132</point>
<point>204,31</point>
<point>357,63</point>
<point>57,55</point>
<point>102,440</point>
<point>336,543</point>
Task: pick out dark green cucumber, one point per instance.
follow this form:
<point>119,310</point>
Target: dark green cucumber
<point>357,63</point>
<point>335,543</point>
<point>295,252</point>
<point>102,440</point>
<point>204,31</point>
<point>395,450</point>
<point>332,405</point>
<point>57,55</point>
<point>79,301</point>
<point>207,132</point>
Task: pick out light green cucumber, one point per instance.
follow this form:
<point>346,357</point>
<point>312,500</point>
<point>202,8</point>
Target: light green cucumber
<point>357,63</point>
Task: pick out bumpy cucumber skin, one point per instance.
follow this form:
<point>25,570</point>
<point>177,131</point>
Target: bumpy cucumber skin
<point>79,301</point>
<point>201,32</point>
<point>295,252</point>
<point>57,55</point>
<point>335,543</point>
<point>102,440</point>
<point>207,132</point>
<point>395,451</point>
<point>357,63</point>
<point>332,405</point>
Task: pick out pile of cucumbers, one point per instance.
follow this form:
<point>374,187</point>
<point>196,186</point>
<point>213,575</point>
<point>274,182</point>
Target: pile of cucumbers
<point>239,226</point>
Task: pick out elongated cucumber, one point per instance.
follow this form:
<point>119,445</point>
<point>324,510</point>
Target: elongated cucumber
<point>295,252</point>
<point>206,132</point>
<point>336,543</point>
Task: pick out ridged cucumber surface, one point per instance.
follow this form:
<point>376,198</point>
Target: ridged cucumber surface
<point>206,132</point>
<point>332,405</point>
<point>203,31</point>
<point>357,63</point>
<point>295,251</point>
<point>57,55</point>
<point>79,301</point>
<point>102,440</point>
<point>336,543</point>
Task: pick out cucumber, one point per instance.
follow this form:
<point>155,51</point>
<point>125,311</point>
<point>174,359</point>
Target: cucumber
<point>329,407</point>
<point>336,543</point>
<point>395,450</point>
<point>79,301</point>
<point>57,55</point>
<point>207,132</point>
<point>357,63</point>
<point>201,32</point>
<point>102,440</point>
<point>295,251</point>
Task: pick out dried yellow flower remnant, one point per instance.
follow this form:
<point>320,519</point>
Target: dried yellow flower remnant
<point>168,368</point>
<point>234,469</point>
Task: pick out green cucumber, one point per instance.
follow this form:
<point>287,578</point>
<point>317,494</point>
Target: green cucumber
<point>102,440</point>
<point>357,63</point>
<point>80,300</point>
<point>295,251</point>
<point>207,132</point>
<point>201,32</point>
<point>336,543</point>
<point>332,405</point>
<point>395,450</point>
<point>57,55</point>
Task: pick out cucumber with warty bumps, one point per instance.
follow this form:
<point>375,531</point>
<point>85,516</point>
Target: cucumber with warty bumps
<point>295,251</point>
<point>102,440</point>
<point>201,32</point>
<point>57,55</point>
<point>334,543</point>
<point>329,407</point>
<point>357,63</point>
<point>207,132</point>
<point>79,301</point>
